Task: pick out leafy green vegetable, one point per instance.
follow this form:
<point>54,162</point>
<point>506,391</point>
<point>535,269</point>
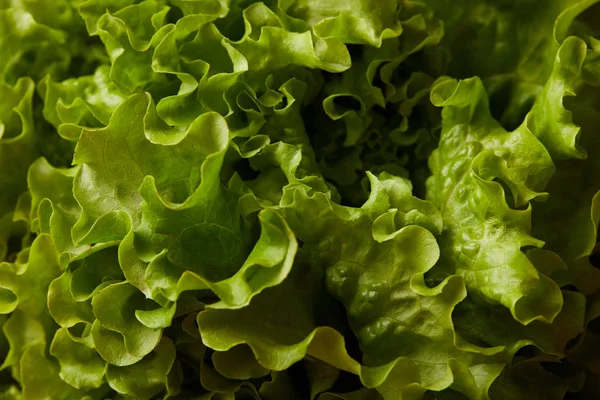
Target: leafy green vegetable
<point>299,199</point>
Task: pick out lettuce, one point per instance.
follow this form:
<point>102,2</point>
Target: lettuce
<point>299,199</point>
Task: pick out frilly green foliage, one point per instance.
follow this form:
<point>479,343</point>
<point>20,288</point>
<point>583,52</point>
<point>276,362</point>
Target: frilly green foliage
<point>299,199</point>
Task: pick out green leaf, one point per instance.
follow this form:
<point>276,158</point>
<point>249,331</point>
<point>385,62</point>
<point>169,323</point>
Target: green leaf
<point>21,331</point>
<point>206,66</point>
<point>508,43</point>
<point>414,330</point>
<point>390,308</point>
<point>129,35</point>
<point>421,29</point>
<point>80,365</point>
<point>53,207</point>
<point>238,363</point>
<point>267,265</point>
<point>12,233</point>
<point>17,140</point>
<point>115,160</point>
<point>528,379</point>
<point>279,387</point>
<point>392,206</point>
<point>146,378</point>
<point>92,10</point>
<point>502,330</point>
<point>356,22</point>
<point>483,236</point>
<point>268,46</point>
<point>85,101</point>
<point>63,306</point>
<point>94,270</point>
<point>115,309</point>
<point>292,330</point>
<point>28,48</point>
<point>41,378</point>
<point>26,280</point>
<point>575,237</point>
<point>548,119</point>
<point>111,346</point>
<point>321,376</point>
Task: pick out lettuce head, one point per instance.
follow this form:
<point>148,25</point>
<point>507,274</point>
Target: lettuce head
<point>299,199</point>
